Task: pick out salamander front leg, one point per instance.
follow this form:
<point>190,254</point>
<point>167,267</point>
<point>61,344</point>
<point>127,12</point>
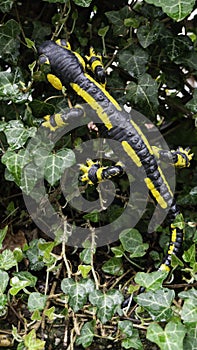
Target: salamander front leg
<point>94,172</point>
<point>180,157</point>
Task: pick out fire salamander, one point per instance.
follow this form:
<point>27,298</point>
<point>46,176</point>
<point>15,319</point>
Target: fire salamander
<point>69,69</point>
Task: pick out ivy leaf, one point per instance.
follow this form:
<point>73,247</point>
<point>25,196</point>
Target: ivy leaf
<point>132,242</point>
<point>107,303</point>
<point>76,291</point>
<point>4,279</point>
<point>192,104</point>
<point>15,163</point>
<point>83,3</point>
<point>113,266</point>
<point>10,87</point>
<point>189,310</point>
<point>171,338</point>
<point>148,34</point>
<point>151,281</point>
<point>190,255</point>
<point>157,303</point>
<point>144,94</point>
<point>177,10</point>
<point>134,61</point>
<point>6,5</point>
<point>190,340</point>
<point>9,40</point>
<point>26,276</point>
<point>17,135</point>
<point>86,334</point>
<point>7,260</point>
<point>33,343</point>
<point>17,285</point>
<point>84,269</point>
<point>117,18</point>
<point>177,47</point>
<point>36,301</point>
<point>56,164</point>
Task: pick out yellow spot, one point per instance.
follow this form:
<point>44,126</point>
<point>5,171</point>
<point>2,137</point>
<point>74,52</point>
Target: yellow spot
<point>164,267</point>
<point>54,81</point>
<point>131,153</point>
<point>93,103</point>
<point>171,249</point>
<point>155,193</point>
<point>173,238</point>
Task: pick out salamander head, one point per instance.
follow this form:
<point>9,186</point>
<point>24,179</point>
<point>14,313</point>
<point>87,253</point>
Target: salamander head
<point>65,64</point>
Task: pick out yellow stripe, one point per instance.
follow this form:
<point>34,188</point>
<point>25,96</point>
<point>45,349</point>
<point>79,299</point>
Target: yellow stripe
<point>94,104</point>
<point>143,137</point>
<point>109,97</point>
<point>155,193</point>
<point>99,174</point>
<point>131,153</point>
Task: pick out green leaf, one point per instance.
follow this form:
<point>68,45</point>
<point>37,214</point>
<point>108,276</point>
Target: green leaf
<point>171,338</point>
<point>103,31</point>
<point>83,3</point>
<point>192,104</point>
<point>17,285</point>
<point>3,232</point>
<point>148,34</point>
<point>132,343</point>
<point>189,311</point>
<point>10,87</point>
<point>7,260</point>
<point>4,279</point>
<point>132,242</point>
<point>86,255</point>
<point>157,303</point>
<point>126,327</point>
<point>3,305</point>
<point>6,5</point>
<point>9,40</point>
<point>17,135</point>
<point>118,251</point>
<point>151,281</point>
<point>134,61</point>
<point>26,276</point>
<point>176,9</point>
<point>78,297</point>
<point>130,336</point>
<point>86,334</point>
<point>190,340</point>
<point>117,18</point>
<point>177,47</point>
<point>56,164</point>
<point>113,266</point>
<point>76,291</point>
<point>36,301</point>
<point>15,163</point>
<point>190,255</point>
<point>107,303</point>
<point>84,269</point>
<point>33,343</point>
<point>94,216</point>
<point>144,94</point>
